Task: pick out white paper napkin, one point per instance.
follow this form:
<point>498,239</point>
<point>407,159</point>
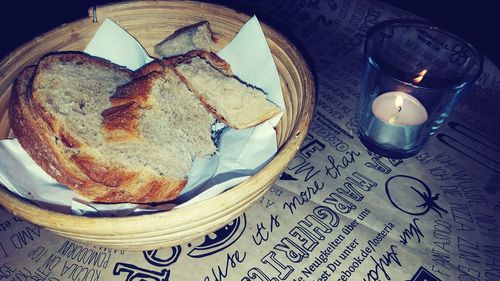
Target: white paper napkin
<point>241,152</point>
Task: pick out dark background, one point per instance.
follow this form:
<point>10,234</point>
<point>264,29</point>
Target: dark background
<point>475,21</point>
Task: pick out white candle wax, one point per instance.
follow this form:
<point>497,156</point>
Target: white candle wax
<point>397,121</point>
<point>399,108</point>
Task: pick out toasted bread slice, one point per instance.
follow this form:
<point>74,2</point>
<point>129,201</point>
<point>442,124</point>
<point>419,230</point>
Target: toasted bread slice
<point>234,102</point>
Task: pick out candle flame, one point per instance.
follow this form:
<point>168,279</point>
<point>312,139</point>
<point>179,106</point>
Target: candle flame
<point>398,102</point>
<point>420,76</point>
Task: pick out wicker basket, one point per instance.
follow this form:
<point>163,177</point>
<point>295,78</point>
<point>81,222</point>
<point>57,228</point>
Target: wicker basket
<point>149,22</point>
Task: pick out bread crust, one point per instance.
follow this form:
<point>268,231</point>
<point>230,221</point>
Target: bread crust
<point>153,66</point>
<point>138,90</point>
<point>158,65</point>
<point>35,136</point>
<point>121,122</point>
<point>69,161</point>
<point>102,174</point>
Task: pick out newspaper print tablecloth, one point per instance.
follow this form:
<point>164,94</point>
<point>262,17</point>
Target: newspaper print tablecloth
<point>338,212</point>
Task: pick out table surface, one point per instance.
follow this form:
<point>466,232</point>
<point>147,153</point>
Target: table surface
<point>338,212</point>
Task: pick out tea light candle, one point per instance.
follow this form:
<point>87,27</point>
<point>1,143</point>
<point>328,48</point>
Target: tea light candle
<point>399,108</point>
<point>397,120</point>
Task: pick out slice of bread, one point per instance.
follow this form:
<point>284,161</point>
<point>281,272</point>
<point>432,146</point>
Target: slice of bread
<point>48,149</point>
<point>36,137</point>
<point>159,111</point>
<point>59,122</point>
<point>71,89</point>
<point>234,102</point>
<point>197,36</point>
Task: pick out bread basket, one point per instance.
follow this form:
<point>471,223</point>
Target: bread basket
<point>149,22</point>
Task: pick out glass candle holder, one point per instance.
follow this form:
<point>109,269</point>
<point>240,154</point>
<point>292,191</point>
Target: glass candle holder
<point>414,75</point>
